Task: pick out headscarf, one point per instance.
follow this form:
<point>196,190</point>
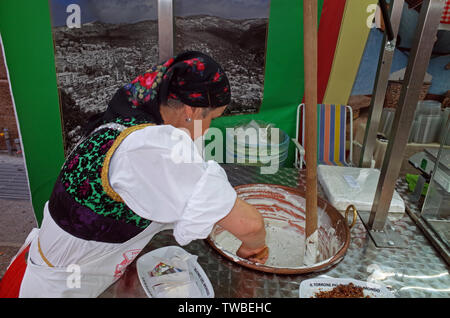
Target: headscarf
<point>192,77</point>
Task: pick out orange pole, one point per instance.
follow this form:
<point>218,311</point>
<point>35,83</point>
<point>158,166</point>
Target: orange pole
<point>310,60</point>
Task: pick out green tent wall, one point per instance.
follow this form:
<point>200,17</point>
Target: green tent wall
<point>28,44</point>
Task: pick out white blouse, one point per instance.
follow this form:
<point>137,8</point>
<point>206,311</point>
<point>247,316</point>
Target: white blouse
<point>160,174</point>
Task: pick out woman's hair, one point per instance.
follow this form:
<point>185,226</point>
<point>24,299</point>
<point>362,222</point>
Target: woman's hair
<point>176,104</point>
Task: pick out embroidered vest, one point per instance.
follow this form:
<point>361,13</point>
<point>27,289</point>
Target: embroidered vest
<point>82,202</point>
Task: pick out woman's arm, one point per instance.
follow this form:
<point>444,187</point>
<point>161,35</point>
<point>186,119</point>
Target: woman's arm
<point>247,224</point>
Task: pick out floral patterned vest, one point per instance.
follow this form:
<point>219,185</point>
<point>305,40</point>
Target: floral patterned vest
<point>83,202</point>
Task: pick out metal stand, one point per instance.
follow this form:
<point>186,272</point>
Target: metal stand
<point>166,30</point>
<point>382,78</point>
<point>415,73</point>
<point>386,237</point>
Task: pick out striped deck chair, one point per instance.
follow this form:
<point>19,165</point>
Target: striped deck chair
<point>331,135</point>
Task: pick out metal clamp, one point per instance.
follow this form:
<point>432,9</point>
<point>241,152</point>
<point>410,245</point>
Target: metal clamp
<point>355,214</point>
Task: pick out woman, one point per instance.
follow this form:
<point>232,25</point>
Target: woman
<point>121,185</point>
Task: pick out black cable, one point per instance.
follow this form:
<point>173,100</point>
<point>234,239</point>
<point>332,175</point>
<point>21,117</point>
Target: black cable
<point>387,20</point>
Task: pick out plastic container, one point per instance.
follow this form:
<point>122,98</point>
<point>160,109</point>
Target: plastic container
<point>255,160</point>
<point>344,186</point>
<point>253,143</point>
<point>442,130</point>
<point>413,133</point>
<point>387,118</point>
<point>426,125</point>
<point>171,272</point>
<point>428,107</point>
<point>428,128</point>
<point>255,150</point>
<point>309,288</point>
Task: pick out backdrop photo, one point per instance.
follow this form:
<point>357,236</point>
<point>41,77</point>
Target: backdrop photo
<point>234,33</point>
<point>113,42</point>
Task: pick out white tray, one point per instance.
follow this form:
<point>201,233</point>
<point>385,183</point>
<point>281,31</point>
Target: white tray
<point>344,186</point>
<point>308,288</point>
<point>148,261</point>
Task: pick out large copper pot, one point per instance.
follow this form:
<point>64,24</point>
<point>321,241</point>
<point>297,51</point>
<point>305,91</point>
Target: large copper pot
<point>337,222</point>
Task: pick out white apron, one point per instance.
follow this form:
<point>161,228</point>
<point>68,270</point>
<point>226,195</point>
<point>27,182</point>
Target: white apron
<point>89,279</point>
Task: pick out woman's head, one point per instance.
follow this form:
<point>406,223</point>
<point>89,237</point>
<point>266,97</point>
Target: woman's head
<point>196,80</point>
<point>194,90</point>
<point>193,78</point>
<point>192,82</point>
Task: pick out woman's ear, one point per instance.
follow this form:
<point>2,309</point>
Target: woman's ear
<point>188,112</point>
<point>193,112</point>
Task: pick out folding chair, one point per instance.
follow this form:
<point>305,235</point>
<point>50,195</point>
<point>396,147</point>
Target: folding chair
<point>331,135</point>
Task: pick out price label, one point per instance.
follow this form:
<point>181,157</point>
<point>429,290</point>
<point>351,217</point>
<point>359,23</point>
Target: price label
<point>351,181</point>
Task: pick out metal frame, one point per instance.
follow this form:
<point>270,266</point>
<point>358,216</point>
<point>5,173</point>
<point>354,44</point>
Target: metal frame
<point>300,149</point>
<point>382,78</point>
<point>414,77</point>
<point>387,20</point>
<point>430,231</point>
<point>166,30</point>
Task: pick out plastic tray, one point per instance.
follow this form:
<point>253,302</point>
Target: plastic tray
<point>148,261</point>
<point>308,288</point>
<point>344,186</point>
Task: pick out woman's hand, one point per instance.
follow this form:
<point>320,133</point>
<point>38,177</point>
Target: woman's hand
<point>247,224</point>
<point>258,255</point>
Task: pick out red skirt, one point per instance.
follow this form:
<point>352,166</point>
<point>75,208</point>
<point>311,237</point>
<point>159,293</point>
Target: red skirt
<point>12,280</point>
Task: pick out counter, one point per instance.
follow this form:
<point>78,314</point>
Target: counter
<point>415,271</point>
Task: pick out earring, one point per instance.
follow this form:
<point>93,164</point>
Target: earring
<point>188,120</point>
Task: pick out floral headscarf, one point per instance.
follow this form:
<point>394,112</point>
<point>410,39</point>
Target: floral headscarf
<point>192,77</point>
<point>144,88</point>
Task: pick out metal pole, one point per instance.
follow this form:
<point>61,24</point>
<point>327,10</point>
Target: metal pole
<point>414,76</point>
<point>387,20</point>
<point>166,30</point>
<point>382,78</point>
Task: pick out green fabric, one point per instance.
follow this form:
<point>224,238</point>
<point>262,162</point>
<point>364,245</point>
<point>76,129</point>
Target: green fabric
<point>411,179</point>
<point>81,176</point>
<point>27,39</point>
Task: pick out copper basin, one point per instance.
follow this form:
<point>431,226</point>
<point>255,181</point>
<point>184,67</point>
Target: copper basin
<point>335,219</point>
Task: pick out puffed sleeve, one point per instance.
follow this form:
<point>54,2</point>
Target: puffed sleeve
<point>158,183</point>
<point>212,199</point>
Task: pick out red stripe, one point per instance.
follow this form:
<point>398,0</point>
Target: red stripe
<point>12,280</point>
<point>329,28</point>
